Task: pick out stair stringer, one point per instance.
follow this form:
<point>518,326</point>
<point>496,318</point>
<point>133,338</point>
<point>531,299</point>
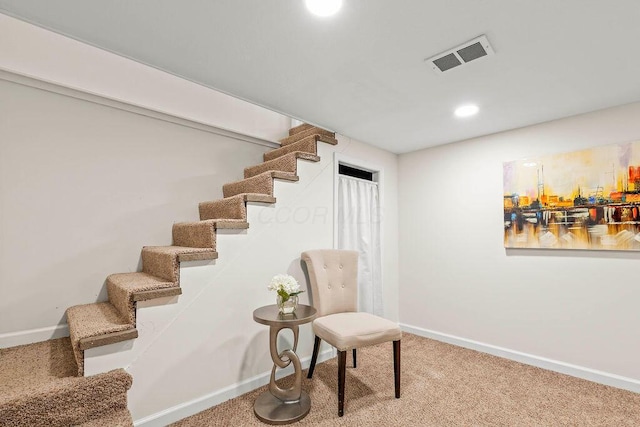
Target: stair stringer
<point>205,340</point>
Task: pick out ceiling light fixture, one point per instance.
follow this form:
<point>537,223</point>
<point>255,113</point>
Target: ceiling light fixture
<point>467,110</point>
<point>323,7</point>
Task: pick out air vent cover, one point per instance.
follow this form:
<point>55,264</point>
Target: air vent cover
<point>460,55</point>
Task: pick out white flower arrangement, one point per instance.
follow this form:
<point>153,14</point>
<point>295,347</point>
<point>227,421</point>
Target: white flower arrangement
<point>286,286</point>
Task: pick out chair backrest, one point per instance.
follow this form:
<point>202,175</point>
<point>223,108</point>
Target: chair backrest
<point>333,275</point>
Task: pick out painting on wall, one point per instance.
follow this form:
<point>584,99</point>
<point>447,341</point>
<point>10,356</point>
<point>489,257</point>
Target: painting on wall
<point>587,199</point>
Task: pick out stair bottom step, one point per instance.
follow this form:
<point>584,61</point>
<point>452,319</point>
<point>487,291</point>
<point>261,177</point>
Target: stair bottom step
<point>70,401</point>
<point>121,418</point>
<point>29,367</point>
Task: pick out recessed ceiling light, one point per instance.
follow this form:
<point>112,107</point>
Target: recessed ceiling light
<point>323,7</point>
<point>467,110</point>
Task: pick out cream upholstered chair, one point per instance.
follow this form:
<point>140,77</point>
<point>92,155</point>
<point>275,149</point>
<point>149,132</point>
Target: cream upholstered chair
<point>334,286</point>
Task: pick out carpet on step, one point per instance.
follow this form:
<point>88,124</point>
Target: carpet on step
<point>305,134</point>
<point>68,401</point>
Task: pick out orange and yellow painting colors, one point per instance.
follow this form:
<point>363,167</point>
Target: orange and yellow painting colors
<point>587,199</point>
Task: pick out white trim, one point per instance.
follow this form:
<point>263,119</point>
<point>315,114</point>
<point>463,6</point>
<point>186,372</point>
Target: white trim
<point>37,83</point>
<point>207,401</point>
<point>30,336</point>
<point>594,375</point>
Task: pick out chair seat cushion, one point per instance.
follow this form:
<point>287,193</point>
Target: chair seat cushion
<point>345,331</point>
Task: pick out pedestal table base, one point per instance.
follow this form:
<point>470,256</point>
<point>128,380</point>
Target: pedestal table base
<point>271,410</point>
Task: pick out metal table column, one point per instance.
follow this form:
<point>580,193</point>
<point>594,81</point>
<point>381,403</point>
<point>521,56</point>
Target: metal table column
<point>277,405</point>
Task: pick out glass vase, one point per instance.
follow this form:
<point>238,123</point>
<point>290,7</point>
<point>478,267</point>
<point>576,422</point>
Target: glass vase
<point>289,306</point>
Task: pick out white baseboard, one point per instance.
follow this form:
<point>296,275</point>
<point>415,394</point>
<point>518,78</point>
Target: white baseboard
<point>192,407</point>
<point>33,335</point>
<point>530,359</point>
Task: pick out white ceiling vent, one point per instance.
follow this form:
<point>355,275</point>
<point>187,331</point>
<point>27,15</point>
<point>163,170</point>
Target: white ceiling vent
<point>460,55</point>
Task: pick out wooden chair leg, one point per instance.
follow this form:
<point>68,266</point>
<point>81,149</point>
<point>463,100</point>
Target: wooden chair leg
<point>354,357</point>
<point>342,362</point>
<point>314,356</point>
<point>396,366</point>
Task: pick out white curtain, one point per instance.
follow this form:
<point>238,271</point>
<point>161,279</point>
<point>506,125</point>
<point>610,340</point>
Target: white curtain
<point>359,229</point>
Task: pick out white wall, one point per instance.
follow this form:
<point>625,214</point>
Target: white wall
<point>83,187</point>
<point>457,280</point>
<point>34,52</point>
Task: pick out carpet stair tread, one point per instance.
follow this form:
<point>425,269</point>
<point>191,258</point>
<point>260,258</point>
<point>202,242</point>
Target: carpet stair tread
<point>307,133</point>
<point>214,223</point>
<point>233,207</point>
<point>90,320</point>
<point>164,261</point>
<point>126,288</point>
<point>307,145</point>
<point>184,253</point>
<point>287,163</point>
<point>261,184</point>
<point>31,367</point>
<point>138,281</point>
<point>224,224</point>
<point>200,234</point>
<point>300,128</point>
<point>97,324</point>
<point>120,418</point>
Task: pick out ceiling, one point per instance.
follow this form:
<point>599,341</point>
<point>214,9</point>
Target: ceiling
<point>362,72</point>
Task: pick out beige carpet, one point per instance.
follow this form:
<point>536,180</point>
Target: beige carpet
<point>444,385</point>
<point>28,368</point>
<point>38,387</point>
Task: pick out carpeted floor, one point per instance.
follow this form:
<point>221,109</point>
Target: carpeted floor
<point>38,387</point>
<point>443,385</point>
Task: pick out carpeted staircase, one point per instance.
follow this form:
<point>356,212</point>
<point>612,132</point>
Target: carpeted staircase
<point>43,383</point>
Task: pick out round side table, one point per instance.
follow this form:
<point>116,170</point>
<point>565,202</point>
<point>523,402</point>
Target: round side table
<point>277,405</point>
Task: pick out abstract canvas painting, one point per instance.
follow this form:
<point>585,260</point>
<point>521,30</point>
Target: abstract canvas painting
<point>587,199</point>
